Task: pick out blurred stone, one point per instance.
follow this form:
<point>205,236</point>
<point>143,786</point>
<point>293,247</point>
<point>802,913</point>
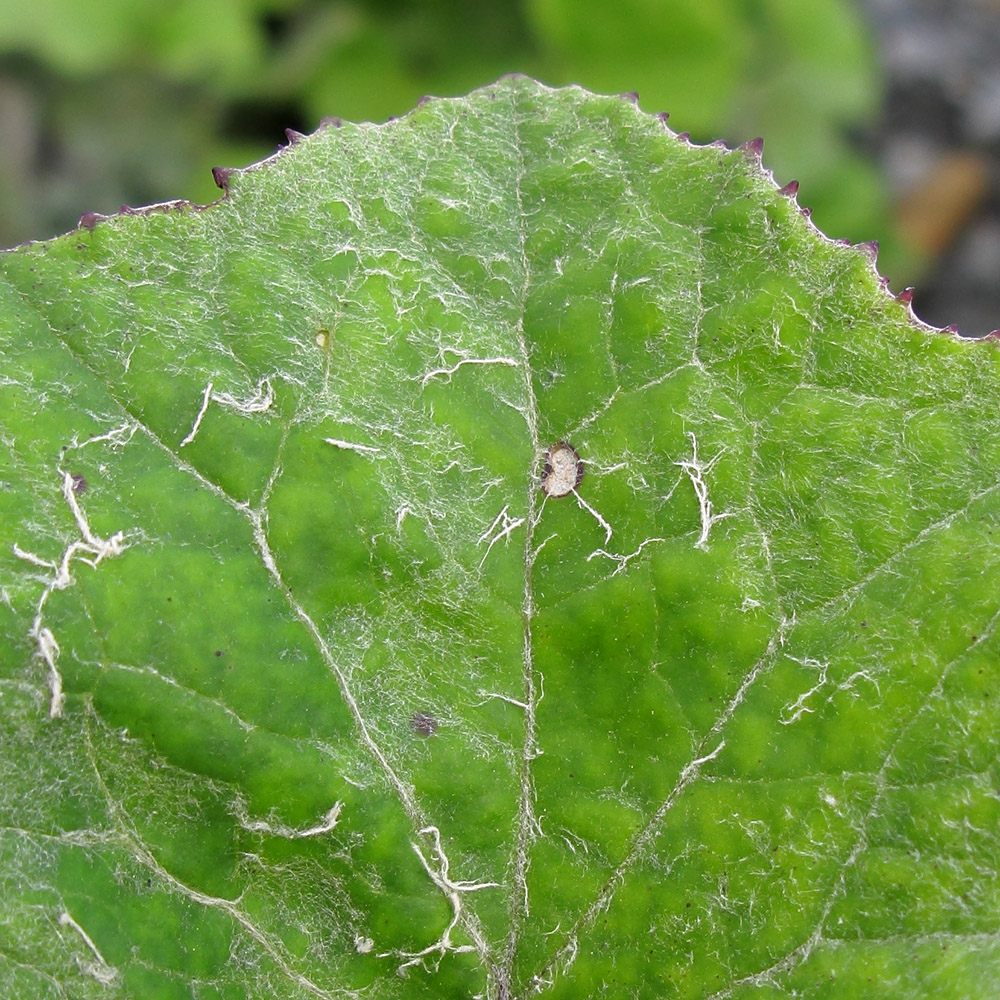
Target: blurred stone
<point>942,204</point>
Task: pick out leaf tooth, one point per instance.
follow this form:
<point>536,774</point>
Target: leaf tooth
<point>754,149</point>
<point>632,96</point>
<point>790,190</point>
<point>870,249</point>
<point>805,211</point>
<point>684,137</point>
<point>330,121</point>
<point>293,136</point>
<point>90,219</point>
<point>905,299</point>
<point>221,177</point>
<point>663,116</point>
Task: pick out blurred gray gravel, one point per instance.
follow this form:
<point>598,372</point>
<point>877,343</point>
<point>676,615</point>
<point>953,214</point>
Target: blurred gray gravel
<point>941,59</point>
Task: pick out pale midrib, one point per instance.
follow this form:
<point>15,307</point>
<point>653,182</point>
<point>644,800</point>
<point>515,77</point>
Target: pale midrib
<point>526,815</point>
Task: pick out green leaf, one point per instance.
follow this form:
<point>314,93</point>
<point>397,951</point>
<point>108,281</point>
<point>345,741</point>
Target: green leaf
<point>322,673</point>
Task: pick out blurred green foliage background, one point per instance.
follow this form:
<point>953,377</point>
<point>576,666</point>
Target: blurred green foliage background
<point>105,102</point>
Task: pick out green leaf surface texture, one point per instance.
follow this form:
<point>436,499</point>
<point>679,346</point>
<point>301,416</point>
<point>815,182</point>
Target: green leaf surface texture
<point>326,674</point>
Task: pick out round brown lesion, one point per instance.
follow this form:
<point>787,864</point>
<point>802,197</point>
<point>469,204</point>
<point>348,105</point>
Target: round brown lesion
<point>563,470</point>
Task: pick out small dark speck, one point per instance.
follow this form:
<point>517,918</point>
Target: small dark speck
<point>218,652</point>
<point>423,724</point>
<point>864,624</point>
<point>79,483</point>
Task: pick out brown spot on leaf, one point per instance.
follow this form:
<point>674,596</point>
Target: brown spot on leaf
<point>423,724</point>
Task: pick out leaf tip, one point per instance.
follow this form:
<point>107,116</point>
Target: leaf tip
<point>790,190</point>
<point>293,136</point>
<point>89,220</point>
<point>663,116</point>
<point>905,297</point>
<point>632,96</point>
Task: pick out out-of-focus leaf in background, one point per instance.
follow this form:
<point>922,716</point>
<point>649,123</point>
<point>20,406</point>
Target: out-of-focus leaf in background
<point>104,102</point>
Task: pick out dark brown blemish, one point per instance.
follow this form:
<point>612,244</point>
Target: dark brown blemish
<point>79,482</point>
<point>423,724</point>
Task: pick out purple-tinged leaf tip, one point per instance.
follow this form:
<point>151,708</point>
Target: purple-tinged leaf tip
<point>869,248</point>
<point>331,121</point>
<point>754,148</point>
<point>905,296</point>
<point>221,177</point>
<point>293,136</point>
<point>951,328</point>
<point>684,136</point>
<point>883,282</point>
<point>632,96</point>
<point>719,144</point>
<point>426,99</point>
<point>992,335</point>
<point>663,116</point>
<point>806,212</point>
<point>842,242</point>
<point>790,190</point>
<point>89,219</point>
